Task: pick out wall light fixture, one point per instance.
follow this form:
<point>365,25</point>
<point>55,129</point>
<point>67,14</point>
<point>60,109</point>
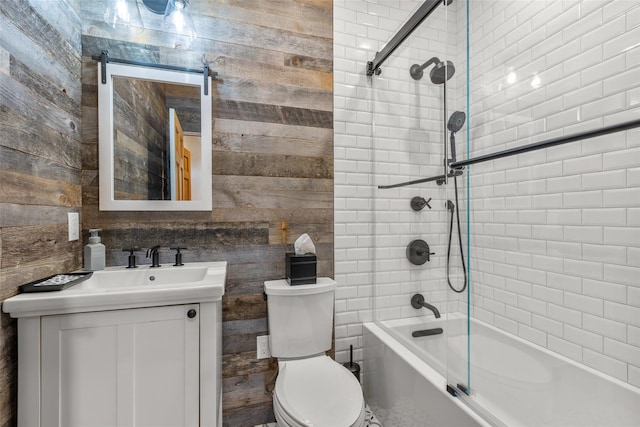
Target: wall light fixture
<point>124,16</point>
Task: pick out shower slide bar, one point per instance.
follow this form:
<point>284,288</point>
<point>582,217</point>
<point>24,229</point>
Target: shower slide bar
<point>404,32</point>
<point>457,166</point>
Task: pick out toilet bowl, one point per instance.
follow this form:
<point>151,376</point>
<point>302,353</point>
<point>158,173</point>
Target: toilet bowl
<point>317,392</point>
<point>311,389</point>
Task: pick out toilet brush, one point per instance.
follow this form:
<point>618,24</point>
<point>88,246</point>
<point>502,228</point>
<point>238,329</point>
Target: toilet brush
<point>354,368</point>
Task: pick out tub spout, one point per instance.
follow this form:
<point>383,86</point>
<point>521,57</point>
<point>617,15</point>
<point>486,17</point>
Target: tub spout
<point>417,301</point>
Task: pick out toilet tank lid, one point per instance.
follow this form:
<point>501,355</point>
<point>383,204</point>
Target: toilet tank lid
<point>282,287</point>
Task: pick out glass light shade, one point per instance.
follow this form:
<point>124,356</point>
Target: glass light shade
<point>177,19</point>
<point>123,16</point>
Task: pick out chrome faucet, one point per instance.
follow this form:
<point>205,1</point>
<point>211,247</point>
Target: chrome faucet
<point>154,255</point>
<point>417,301</point>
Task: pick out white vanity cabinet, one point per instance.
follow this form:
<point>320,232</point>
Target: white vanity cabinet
<point>152,366</point>
<point>121,368</point>
<point>123,349</point>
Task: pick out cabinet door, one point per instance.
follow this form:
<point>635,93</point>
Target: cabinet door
<point>136,367</point>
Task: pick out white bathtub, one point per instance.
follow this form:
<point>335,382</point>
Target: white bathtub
<point>513,382</point>
<point>404,390</point>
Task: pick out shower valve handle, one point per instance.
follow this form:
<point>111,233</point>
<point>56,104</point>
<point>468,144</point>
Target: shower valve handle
<point>418,203</point>
<point>418,252</point>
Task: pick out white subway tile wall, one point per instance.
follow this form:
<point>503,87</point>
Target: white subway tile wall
<point>555,234</point>
<point>573,243</point>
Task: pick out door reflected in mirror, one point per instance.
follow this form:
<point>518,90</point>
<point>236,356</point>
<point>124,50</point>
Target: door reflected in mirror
<point>155,140</point>
<point>184,152</point>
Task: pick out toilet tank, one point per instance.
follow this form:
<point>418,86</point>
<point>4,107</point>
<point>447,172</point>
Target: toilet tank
<point>300,317</point>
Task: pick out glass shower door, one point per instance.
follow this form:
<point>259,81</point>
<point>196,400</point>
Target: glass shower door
<point>455,256</point>
<point>419,118</point>
<point>410,105</point>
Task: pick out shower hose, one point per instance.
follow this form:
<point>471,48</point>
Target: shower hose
<point>454,209</point>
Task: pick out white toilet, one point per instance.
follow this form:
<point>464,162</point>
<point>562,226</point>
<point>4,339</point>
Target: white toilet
<point>311,388</point>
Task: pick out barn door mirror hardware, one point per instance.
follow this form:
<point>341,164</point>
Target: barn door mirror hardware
<point>105,59</point>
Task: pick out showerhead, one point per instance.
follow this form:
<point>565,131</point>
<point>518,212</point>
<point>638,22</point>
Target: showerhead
<point>456,121</point>
<point>439,74</point>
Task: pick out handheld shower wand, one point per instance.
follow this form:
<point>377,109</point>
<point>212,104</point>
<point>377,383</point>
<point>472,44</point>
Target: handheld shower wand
<point>455,123</point>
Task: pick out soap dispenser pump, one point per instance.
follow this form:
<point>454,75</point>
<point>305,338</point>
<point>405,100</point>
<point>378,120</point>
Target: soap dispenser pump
<point>94,252</point>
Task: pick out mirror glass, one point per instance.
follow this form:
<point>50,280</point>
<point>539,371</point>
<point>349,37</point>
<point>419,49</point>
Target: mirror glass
<point>155,140</point>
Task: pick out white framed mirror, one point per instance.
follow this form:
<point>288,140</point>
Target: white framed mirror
<point>154,140</point>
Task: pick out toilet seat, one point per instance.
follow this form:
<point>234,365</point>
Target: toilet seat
<point>317,392</point>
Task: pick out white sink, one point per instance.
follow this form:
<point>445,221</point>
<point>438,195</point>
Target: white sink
<point>116,278</point>
<point>119,287</point>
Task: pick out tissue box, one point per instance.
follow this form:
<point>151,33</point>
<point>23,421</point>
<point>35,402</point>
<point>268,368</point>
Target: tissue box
<point>301,269</point>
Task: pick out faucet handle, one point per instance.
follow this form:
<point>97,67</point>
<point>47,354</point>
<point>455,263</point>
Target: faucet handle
<point>132,257</point>
<point>178,256</point>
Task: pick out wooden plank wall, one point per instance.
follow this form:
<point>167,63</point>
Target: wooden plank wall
<point>40,156</point>
<point>272,161</point>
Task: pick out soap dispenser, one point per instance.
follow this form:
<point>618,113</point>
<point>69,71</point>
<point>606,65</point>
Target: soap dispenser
<point>94,252</point>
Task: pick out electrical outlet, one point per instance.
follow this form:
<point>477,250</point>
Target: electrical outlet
<point>262,345</point>
<point>74,225</point>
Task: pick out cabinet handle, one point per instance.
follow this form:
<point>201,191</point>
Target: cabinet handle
<point>191,313</point>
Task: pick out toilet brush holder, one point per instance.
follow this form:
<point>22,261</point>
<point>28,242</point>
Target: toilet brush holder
<point>354,368</point>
